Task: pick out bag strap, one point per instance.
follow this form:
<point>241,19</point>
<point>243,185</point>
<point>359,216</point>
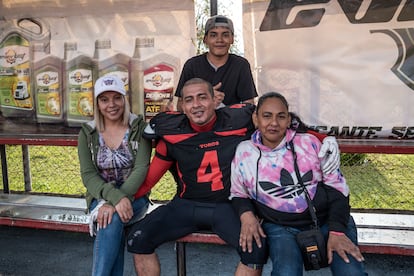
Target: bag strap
<point>312,209</point>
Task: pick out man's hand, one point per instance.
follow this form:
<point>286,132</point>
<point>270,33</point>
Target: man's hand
<point>329,155</point>
<point>343,246</point>
<point>250,229</point>
<point>124,209</point>
<point>218,95</point>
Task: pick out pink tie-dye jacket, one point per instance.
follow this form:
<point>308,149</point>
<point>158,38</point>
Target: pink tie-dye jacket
<point>267,176</point>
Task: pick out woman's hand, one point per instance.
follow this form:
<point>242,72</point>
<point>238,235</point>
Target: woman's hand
<point>342,245</point>
<point>105,214</point>
<point>250,229</point>
<point>124,209</point>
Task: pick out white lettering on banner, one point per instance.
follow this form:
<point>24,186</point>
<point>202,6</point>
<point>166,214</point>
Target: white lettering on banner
<point>400,132</point>
<point>342,64</point>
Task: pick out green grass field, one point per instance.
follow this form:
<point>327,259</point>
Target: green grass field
<point>377,181</point>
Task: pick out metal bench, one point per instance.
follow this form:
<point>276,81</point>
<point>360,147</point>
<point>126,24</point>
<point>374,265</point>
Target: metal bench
<point>44,212</point>
<point>378,233</point>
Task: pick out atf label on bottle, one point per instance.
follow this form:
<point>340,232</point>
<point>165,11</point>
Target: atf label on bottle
<point>158,89</point>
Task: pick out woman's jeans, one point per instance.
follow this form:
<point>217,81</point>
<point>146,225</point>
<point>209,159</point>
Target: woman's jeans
<point>287,259</point>
<point>109,245</point>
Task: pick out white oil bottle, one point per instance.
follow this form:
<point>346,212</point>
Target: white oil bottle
<point>154,74</point>
<point>47,79</point>
<point>16,85</point>
<point>110,62</point>
<point>78,86</point>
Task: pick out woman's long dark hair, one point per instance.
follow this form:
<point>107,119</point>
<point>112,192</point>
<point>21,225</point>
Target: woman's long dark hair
<point>296,123</point>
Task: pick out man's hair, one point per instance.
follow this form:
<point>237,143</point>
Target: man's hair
<point>198,81</point>
<point>218,21</point>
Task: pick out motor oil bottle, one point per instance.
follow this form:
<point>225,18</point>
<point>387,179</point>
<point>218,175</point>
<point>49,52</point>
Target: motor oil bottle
<point>47,79</point>
<point>154,74</point>
<point>16,84</point>
<point>110,62</point>
<point>78,86</point>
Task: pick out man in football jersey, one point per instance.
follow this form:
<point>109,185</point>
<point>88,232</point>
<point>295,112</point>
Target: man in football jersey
<point>201,143</point>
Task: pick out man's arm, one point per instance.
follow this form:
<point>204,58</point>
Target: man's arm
<point>157,169</point>
<point>329,154</point>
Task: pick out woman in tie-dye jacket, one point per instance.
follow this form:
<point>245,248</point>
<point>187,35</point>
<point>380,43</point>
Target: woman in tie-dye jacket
<point>265,189</point>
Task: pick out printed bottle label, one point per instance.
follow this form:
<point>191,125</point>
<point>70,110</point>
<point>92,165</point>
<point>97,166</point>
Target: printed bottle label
<point>80,90</point>
<point>48,93</point>
<point>15,73</point>
<point>158,90</point>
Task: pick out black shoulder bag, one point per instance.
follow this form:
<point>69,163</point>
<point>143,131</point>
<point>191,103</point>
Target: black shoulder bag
<point>311,242</point>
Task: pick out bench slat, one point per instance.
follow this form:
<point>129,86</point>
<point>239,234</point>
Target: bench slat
<point>391,234</point>
<point>202,238</point>
<point>45,224</point>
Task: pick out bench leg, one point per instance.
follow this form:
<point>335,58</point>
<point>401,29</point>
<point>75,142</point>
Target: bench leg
<point>180,251</point>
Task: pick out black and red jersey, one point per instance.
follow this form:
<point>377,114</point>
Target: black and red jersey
<point>203,159</point>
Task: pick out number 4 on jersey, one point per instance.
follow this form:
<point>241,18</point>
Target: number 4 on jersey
<point>209,171</point>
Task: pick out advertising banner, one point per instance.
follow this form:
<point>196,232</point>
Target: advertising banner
<point>346,67</point>
<point>51,52</point>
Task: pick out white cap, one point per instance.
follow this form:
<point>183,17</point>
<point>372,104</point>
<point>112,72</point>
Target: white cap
<point>109,83</point>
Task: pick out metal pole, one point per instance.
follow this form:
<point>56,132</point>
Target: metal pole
<point>213,7</point>
<point>26,169</point>
<point>181,262</point>
<point>4,169</point>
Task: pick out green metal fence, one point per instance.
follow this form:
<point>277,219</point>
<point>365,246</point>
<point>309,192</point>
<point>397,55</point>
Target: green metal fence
<point>377,181</point>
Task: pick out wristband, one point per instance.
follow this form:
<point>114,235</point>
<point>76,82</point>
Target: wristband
<point>336,233</point>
